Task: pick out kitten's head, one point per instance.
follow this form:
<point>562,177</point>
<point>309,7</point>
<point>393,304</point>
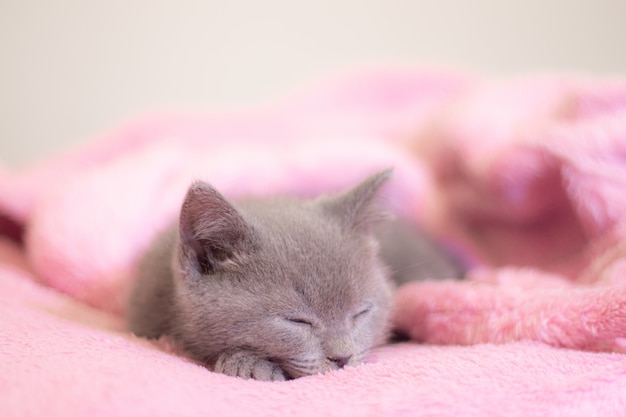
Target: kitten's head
<point>297,282</point>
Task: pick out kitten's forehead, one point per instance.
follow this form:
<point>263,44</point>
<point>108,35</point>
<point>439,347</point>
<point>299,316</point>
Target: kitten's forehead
<point>302,249</point>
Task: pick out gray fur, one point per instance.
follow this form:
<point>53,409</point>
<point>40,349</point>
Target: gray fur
<point>268,289</point>
<point>413,255</point>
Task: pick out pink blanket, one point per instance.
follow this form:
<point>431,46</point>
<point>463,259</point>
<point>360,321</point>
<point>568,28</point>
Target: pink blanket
<point>525,179</point>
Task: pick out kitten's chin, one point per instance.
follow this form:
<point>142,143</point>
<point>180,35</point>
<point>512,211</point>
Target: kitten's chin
<point>294,371</point>
<point>295,374</point>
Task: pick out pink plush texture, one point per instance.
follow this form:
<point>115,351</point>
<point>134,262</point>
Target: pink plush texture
<point>543,190</point>
<point>525,179</point>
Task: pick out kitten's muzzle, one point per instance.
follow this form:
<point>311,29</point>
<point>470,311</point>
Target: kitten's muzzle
<point>339,361</point>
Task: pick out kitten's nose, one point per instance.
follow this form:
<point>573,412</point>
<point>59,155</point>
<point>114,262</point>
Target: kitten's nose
<point>340,361</point>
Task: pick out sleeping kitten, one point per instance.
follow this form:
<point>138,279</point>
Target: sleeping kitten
<point>269,289</point>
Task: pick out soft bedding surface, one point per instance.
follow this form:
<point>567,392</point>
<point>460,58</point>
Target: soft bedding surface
<point>524,179</point>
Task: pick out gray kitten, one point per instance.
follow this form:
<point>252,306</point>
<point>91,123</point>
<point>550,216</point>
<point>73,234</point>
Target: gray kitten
<point>269,289</point>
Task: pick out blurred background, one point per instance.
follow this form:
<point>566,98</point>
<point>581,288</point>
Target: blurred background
<point>69,69</point>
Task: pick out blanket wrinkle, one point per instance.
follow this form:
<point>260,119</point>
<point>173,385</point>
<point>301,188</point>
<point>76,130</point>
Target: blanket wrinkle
<point>576,317</point>
<point>523,178</point>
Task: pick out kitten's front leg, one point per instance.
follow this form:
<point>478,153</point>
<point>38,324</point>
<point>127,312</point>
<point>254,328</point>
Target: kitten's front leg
<point>248,365</point>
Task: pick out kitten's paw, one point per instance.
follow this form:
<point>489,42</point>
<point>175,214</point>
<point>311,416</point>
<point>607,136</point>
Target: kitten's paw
<point>248,366</point>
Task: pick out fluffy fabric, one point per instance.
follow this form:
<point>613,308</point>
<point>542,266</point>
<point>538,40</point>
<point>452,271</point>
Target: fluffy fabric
<point>532,179</point>
<point>523,179</point>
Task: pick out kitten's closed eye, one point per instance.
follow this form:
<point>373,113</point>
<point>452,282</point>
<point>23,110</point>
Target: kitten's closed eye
<point>301,321</point>
<point>362,313</point>
<point>309,322</point>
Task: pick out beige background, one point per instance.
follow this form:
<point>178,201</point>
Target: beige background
<point>71,68</point>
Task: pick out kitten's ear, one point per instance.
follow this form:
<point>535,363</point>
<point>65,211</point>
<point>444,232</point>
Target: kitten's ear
<point>357,207</point>
<point>211,229</point>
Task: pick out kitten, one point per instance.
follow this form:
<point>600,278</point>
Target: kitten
<point>269,289</point>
